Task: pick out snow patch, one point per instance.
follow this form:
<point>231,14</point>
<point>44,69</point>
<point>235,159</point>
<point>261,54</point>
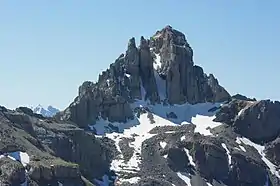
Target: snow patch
<point>239,142</point>
<point>157,62</point>
<point>242,148</point>
<point>204,123</point>
<point>228,153</point>
<point>240,112</point>
<point>22,157</point>
<point>183,138</point>
<point>130,180</point>
<point>190,157</point>
<point>185,178</point>
<point>108,82</point>
<point>163,144</point>
<point>184,112</point>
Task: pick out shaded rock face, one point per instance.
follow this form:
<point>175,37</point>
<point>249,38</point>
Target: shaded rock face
<point>177,159</point>
<point>210,159</point>
<point>246,171</point>
<point>184,81</point>
<point>258,120</point>
<point>134,75</point>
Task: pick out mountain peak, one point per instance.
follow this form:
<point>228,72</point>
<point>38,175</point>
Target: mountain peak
<point>48,111</point>
<point>160,71</point>
<point>169,34</point>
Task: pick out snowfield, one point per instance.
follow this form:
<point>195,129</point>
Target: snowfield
<point>158,115</point>
<point>139,128</point>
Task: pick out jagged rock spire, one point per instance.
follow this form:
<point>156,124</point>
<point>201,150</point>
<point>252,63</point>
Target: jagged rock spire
<point>133,76</point>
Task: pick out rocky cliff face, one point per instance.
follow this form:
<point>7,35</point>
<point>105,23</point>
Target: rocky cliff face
<point>56,153</point>
<point>160,70</point>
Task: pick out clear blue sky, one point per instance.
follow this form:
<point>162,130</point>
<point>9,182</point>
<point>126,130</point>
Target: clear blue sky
<point>49,47</point>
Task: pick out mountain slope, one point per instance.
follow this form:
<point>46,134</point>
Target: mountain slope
<point>160,109</point>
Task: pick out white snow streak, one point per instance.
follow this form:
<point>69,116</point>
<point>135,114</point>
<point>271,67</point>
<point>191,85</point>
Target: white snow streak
<point>189,156</point>
<point>185,178</point>
<point>260,149</point>
<point>157,63</point>
<point>228,153</point>
<point>242,148</point>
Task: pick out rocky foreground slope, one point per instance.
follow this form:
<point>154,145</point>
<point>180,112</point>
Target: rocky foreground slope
<point>152,118</point>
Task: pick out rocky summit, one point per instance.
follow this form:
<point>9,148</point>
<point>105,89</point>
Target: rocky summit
<point>153,118</point>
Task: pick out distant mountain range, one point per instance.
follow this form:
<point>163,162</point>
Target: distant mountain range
<point>48,111</point>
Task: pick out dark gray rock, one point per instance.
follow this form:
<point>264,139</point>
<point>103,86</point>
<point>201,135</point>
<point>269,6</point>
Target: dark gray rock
<point>242,97</point>
<point>246,171</point>
<point>147,72</point>
<point>210,159</point>
<point>260,121</point>
<point>177,160</point>
<point>228,112</point>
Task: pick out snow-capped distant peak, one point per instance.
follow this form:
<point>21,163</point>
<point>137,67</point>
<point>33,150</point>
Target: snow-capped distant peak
<point>48,111</point>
